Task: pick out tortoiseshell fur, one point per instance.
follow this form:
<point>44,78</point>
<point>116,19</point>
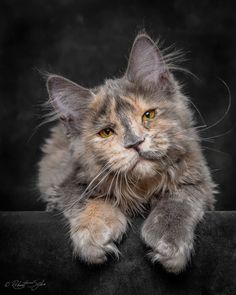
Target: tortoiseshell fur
<point>155,165</point>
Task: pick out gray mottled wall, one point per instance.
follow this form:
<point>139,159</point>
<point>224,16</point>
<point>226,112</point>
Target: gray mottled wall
<point>88,41</point>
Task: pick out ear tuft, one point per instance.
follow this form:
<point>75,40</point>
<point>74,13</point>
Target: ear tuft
<point>146,65</point>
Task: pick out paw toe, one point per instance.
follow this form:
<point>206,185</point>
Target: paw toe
<point>92,251</point>
<point>172,258</point>
<point>174,264</point>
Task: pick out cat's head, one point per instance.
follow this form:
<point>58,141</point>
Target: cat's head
<point>136,124</point>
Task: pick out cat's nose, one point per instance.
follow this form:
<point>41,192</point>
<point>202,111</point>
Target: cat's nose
<point>134,144</point>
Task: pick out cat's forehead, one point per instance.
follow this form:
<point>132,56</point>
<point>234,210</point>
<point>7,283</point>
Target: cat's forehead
<point>117,96</point>
<point>108,104</point>
<point>116,102</point>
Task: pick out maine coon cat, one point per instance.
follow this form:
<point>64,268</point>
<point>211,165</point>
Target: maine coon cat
<point>124,147</point>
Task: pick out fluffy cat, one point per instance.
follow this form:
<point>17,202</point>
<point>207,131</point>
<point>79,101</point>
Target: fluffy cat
<point>124,147</point>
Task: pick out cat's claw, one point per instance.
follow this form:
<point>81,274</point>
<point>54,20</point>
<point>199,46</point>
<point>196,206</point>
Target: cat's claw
<point>93,244</point>
<point>173,258</point>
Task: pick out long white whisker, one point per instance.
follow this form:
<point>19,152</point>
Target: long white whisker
<point>218,135</point>
<point>111,184</point>
<point>199,113</point>
<point>215,150</point>
<point>97,176</point>
<point>227,110</point>
<point>85,192</point>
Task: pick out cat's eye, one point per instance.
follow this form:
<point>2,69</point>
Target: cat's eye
<point>107,132</point>
<point>149,115</point>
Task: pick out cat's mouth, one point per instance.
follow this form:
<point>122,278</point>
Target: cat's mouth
<point>138,161</point>
<point>146,159</point>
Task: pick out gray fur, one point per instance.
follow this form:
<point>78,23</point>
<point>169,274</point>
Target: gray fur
<point>167,171</point>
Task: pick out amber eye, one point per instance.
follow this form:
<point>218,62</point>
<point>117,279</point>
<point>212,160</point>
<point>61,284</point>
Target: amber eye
<point>107,132</point>
<point>149,115</point>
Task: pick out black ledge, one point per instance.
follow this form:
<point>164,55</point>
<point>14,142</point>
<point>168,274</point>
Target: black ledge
<point>36,256</point>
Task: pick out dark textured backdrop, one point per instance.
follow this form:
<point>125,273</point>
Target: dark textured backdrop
<point>88,41</point>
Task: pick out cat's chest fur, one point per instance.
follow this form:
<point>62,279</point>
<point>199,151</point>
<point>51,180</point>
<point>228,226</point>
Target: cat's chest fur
<point>129,194</point>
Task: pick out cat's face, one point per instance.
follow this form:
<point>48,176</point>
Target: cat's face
<point>134,125</point>
<point>133,134</point>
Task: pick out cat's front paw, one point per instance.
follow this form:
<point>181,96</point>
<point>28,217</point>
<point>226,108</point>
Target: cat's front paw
<point>173,255</point>
<point>173,258</point>
<point>93,241</point>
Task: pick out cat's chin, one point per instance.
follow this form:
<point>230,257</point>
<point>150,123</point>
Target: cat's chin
<point>144,168</point>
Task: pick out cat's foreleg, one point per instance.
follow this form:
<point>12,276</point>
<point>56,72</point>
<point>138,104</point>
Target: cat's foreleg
<point>94,229</point>
<point>169,228</point>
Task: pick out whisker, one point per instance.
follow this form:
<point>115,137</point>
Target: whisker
<point>215,150</point>
<point>227,110</point>
<point>219,135</point>
<point>199,113</point>
<point>86,191</point>
<point>110,187</point>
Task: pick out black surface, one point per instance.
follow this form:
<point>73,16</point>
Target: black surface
<point>88,41</point>
<point>34,247</point>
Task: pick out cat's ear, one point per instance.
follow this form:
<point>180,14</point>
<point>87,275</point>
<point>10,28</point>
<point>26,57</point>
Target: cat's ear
<point>68,98</point>
<point>146,65</point>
